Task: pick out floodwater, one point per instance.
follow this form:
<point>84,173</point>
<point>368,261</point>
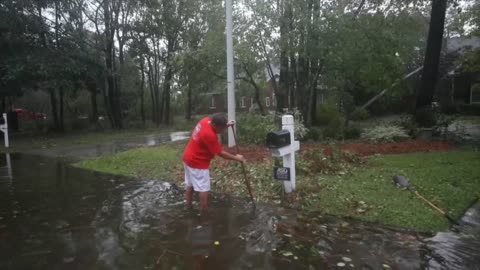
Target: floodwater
<point>460,249</point>
<point>77,152</point>
<point>54,216</point>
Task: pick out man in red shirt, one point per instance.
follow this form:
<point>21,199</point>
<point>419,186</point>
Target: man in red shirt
<point>201,149</point>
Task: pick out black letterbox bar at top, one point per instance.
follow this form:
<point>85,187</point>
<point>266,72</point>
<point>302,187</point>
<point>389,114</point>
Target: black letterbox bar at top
<point>278,139</point>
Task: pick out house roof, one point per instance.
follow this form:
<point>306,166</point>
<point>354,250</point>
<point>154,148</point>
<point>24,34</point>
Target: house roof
<point>462,44</point>
<point>455,47</point>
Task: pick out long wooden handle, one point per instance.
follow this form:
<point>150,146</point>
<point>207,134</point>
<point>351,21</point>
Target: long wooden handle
<point>429,203</point>
<point>247,182</point>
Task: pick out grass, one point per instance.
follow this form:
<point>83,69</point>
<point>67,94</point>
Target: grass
<point>146,163</point>
<point>449,179</point>
<point>364,191</point>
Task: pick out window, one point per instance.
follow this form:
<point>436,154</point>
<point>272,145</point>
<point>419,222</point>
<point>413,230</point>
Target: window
<point>321,98</point>
<point>475,93</point>
<point>242,102</point>
<point>267,101</point>
<point>212,102</point>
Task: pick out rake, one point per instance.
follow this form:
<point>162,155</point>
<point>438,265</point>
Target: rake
<point>402,182</point>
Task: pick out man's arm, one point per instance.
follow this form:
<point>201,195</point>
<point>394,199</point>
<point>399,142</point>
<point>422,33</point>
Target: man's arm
<point>226,155</point>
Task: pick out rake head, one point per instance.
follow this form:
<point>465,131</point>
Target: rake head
<point>402,183</point>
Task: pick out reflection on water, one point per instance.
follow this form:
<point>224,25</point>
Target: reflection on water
<point>458,250</point>
<point>89,151</point>
<point>53,216</point>
<point>178,136</point>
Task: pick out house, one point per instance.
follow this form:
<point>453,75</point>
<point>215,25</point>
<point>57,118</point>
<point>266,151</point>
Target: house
<point>457,85</point>
<point>215,102</point>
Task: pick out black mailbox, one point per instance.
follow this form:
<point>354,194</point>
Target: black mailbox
<point>278,139</point>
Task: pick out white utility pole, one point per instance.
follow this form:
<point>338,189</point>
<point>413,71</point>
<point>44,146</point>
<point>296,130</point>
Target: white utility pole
<point>230,73</point>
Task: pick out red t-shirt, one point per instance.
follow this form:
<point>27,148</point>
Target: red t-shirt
<point>203,146</point>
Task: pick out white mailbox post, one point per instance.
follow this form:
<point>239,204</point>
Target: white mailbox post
<point>288,152</point>
<point>4,129</point>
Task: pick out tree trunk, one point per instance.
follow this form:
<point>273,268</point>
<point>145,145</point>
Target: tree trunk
<point>257,90</point>
<point>106,101</point>
<point>159,104</point>
<point>53,103</point>
<point>281,95</point>
<point>109,58</point>
<point>188,106</point>
<point>168,78</point>
<point>425,93</point>
<point>313,105</point>
<point>292,89</point>
<point>142,86</point>
<point>152,87</point>
<point>61,118</point>
<point>156,79</point>
<point>93,101</point>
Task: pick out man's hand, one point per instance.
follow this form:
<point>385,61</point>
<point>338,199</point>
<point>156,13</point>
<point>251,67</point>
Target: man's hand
<point>231,123</point>
<point>240,158</point>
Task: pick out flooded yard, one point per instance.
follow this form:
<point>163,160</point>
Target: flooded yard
<point>54,216</point>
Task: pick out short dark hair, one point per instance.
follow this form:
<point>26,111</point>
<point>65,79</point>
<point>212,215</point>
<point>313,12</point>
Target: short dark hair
<point>219,120</point>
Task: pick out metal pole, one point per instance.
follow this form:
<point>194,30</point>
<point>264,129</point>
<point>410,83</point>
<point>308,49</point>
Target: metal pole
<point>230,72</point>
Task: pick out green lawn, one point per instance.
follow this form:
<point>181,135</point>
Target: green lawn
<point>449,179</point>
<point>146,163</point>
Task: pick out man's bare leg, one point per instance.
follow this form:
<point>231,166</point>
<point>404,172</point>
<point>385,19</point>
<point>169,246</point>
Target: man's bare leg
<point>189,197</point>
<point>204,201</point>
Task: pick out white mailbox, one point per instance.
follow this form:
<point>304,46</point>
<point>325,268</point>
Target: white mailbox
<point>283,144</point>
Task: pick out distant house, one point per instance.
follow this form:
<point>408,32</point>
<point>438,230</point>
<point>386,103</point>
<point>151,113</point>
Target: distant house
<point>457,85</point>
<point>215,102</point>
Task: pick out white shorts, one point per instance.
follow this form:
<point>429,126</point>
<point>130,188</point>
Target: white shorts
<point>199,179</point>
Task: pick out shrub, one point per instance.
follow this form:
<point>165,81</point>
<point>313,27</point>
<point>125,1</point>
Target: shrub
<point>253,128</point>
<point>79,124</point>
<point>300,129</point>
<point>314,133</point>
<point>334,129</point>
<point>351,133</point>
<point>385,133</point>
<point>470,109</point>
<point>407,122</point>
<point>360,115</point>
<point>425,117</point>
<point>327,113</point>
<point>449,108</point>
<point>331,121</point>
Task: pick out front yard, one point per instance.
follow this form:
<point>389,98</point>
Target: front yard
<point>333,181</point>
